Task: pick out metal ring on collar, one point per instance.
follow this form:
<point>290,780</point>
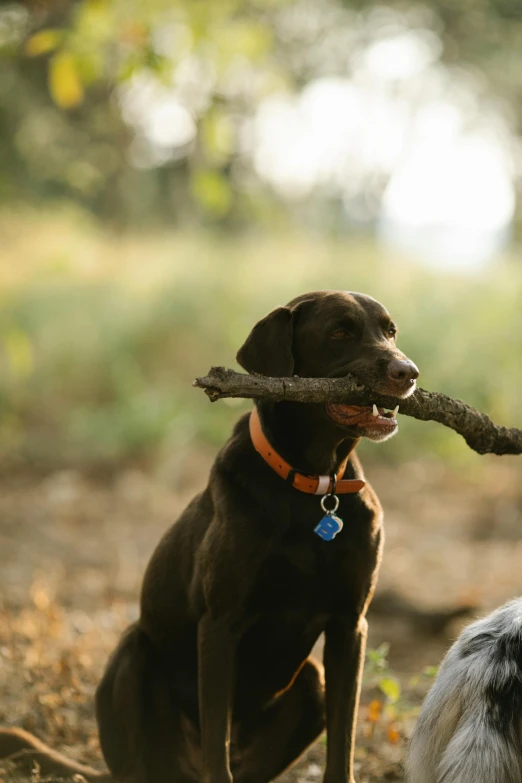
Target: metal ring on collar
<point>330,510</point>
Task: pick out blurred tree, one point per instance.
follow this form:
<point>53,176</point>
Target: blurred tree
<point>137,110</point>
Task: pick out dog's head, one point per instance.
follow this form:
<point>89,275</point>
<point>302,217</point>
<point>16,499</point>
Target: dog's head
<point>328,334</point>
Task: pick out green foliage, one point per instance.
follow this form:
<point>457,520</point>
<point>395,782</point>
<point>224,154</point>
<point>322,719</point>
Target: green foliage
<point>61,123</point>
<point>101,337</point>
<point>62,133</point>
<point>378,673</point>
<point>377,659</point>
<point>427,674</point>
<point>212,191</point>
<point>391,689</point>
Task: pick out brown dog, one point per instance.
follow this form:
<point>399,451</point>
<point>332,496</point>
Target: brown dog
<point>214,683</point>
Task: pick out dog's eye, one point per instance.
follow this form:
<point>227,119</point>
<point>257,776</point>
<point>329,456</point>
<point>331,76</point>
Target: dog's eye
<point>338,334</point>
<point>392,331</point>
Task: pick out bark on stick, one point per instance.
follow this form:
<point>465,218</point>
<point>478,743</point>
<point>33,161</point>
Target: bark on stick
<point>477,429</point>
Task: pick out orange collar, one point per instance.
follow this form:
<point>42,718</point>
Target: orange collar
<point>314,485</point>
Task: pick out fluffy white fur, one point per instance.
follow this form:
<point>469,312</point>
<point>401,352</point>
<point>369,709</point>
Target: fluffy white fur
<point>470,726</point>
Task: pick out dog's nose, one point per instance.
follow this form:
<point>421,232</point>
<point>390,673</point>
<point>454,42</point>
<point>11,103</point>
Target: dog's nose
<point>402,371</point>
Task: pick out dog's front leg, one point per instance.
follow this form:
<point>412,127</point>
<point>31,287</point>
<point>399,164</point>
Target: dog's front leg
<point>343,659</point>
<point>216,657</point>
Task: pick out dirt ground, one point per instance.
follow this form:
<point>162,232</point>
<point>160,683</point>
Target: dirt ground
<point>73,551</point>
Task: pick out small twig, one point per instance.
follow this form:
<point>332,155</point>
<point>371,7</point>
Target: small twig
<point>477,429</point>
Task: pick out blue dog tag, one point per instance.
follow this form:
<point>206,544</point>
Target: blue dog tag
<point>328,527</point>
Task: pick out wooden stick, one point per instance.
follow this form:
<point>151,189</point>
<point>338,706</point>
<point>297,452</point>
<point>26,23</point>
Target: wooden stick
<point>477,429</point>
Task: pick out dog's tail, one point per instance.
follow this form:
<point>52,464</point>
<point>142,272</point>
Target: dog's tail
<point>470,726</point>
<point>24,748</point>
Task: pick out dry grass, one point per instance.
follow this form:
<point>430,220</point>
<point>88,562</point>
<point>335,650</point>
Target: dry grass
<point>74,550</point>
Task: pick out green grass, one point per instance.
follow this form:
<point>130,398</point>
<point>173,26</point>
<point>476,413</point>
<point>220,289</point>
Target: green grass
<point>101,335</point>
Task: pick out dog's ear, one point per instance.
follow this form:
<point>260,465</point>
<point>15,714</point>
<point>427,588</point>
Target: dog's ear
<point>268,347</point>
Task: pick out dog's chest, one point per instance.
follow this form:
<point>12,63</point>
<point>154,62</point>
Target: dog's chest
<point>307,575</point>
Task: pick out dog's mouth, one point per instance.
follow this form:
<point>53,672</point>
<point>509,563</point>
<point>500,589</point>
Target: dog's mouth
<point>369,421</point>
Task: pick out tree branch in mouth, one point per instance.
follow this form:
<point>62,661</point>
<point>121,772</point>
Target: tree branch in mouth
<point>477,429</point>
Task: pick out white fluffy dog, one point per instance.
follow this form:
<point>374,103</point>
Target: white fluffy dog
<point>470,726</point>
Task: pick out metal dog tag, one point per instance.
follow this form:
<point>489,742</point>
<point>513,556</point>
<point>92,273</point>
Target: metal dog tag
<point>328,527</point>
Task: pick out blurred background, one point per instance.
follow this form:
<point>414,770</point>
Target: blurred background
<point>169,172</point>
